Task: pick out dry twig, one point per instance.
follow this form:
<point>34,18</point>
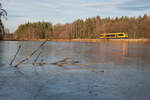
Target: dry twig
<point>26,58</point>
<point>36,58</point>
<point>15,55</point>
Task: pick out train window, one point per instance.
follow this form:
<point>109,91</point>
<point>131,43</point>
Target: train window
<point>120,34</point>
<point>110,35</point>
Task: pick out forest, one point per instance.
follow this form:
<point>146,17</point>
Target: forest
<point>91,28</point>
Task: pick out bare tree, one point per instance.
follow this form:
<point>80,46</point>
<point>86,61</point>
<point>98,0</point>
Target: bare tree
<point>3,13</point>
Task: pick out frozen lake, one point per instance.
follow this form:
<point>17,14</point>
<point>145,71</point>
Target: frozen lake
<point>126,73</point>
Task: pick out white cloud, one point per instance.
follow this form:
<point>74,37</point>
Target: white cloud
<point>100,5</point>
<point>103,4</point>
<point>45,4</point>
<point>122,5</point>
<point>132,5</point>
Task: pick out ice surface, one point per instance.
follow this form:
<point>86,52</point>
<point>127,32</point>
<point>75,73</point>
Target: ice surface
<point>126,72</point>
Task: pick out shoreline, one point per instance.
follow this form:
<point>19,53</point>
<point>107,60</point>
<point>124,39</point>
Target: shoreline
<point>86,40</point>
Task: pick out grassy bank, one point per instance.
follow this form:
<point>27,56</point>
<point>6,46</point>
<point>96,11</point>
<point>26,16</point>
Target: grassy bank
<point>86,40</point>
<point>115,40</point>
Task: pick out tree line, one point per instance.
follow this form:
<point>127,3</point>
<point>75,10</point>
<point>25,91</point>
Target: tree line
<point>3,13</point>
<point>91,28</point>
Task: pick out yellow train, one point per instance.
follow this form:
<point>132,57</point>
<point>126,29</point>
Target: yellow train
<point>114,35</point>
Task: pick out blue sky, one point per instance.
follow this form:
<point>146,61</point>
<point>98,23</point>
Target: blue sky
<point>62,11</point>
